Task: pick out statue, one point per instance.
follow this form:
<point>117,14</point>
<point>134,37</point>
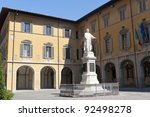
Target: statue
<point>88,41</point>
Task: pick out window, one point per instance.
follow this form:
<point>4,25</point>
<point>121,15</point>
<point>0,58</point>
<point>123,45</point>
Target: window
<point>48,30</point>
<point>67,52</point>
<point>107,43</point>
<point>77,54</point>
<point>27,27</point>
<point>93,26</point>
<point>142,5</point>
<point>145,31</point>
<point>124,40</point>
<point>26,49</point>
<point>81,50</point>
<point>67,32</point>
<point>106,20</point>
<point>122,13</point>
<point>48,51</point>
<point>82,32</point>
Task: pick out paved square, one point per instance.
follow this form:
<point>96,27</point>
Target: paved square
<point>53,94</point>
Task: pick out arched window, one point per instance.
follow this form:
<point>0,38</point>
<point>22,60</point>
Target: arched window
<point>124,39</point>
<point>107,44</point>
<point>26,49</point>
<point>48,51</point>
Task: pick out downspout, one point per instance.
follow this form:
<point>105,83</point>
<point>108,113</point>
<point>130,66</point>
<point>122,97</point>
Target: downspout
<point>14,26</point>
<point>99,44</point>
<point>58,51</point>
<point>135,57</point>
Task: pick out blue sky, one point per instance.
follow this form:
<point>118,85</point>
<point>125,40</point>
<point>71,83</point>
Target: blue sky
<point>68,9</point>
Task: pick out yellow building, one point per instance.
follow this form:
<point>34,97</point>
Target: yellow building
<point>41,51</point>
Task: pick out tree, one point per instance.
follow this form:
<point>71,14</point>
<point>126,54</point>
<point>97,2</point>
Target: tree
<point>4,93</point>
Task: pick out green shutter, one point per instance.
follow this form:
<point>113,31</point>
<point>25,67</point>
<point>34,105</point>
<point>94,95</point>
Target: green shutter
<point>44,52</point>
<point>120,42</point>
<point>52,30</point>
<point>104,46</point>
<point>21,50</point>
<point>52,52</point>
<point>111,45</point>
<point>149,30</point>
<point>22,27</point>
<point>64,53</point>
<point>63,33</point>
<point>71,53</point>
<point>31,27</point>
<point>80,52</point>
<point>70,33</point>
<point>128,40</point>
<point>31,50</point>
<point>44,30</point>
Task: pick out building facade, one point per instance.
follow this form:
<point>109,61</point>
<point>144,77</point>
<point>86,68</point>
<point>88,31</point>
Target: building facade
<point>41,52</point>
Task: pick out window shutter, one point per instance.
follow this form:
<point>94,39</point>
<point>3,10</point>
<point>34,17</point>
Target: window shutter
<point>22,27</point>
<point>44,51</point>
<point>31,50</point>
<point>31,27</point>
<point>149,30</point>
<point>21,50</point>
<point>71,53</point>
<point>120,42</point>
<point>52,30</point>
<point>64,53</point>
<point>70,33</point>
<point>44,30</point>
<point>77,54</point>
<point>63,33</point>
<point>128,40</point>
<point>82,51</point>
<point>111,45</point>
<point>52,53</point>
<point>104,46</point>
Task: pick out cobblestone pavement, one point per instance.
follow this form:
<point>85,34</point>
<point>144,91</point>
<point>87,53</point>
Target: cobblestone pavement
<point>53,94</point>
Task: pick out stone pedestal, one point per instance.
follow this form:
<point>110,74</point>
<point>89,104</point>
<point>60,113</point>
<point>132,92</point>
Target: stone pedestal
<point>89,76</point>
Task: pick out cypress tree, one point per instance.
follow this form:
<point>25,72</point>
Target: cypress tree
<point>4,94</point>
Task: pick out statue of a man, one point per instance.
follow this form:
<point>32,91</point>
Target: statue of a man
<point>88,41</point>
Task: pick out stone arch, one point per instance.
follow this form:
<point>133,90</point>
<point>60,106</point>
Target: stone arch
<point>145,67</point>
<point>110,73</point>
<point>47,78</point>
<point>25,78</point>
<point>127,73</point>
<point>66,76</point>
<point>98,72</point>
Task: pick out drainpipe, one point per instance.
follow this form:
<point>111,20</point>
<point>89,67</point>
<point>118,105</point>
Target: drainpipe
<point>14,26</point>
<point>135,57</point>
<point>99,43</point>
<point>58,50</point>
